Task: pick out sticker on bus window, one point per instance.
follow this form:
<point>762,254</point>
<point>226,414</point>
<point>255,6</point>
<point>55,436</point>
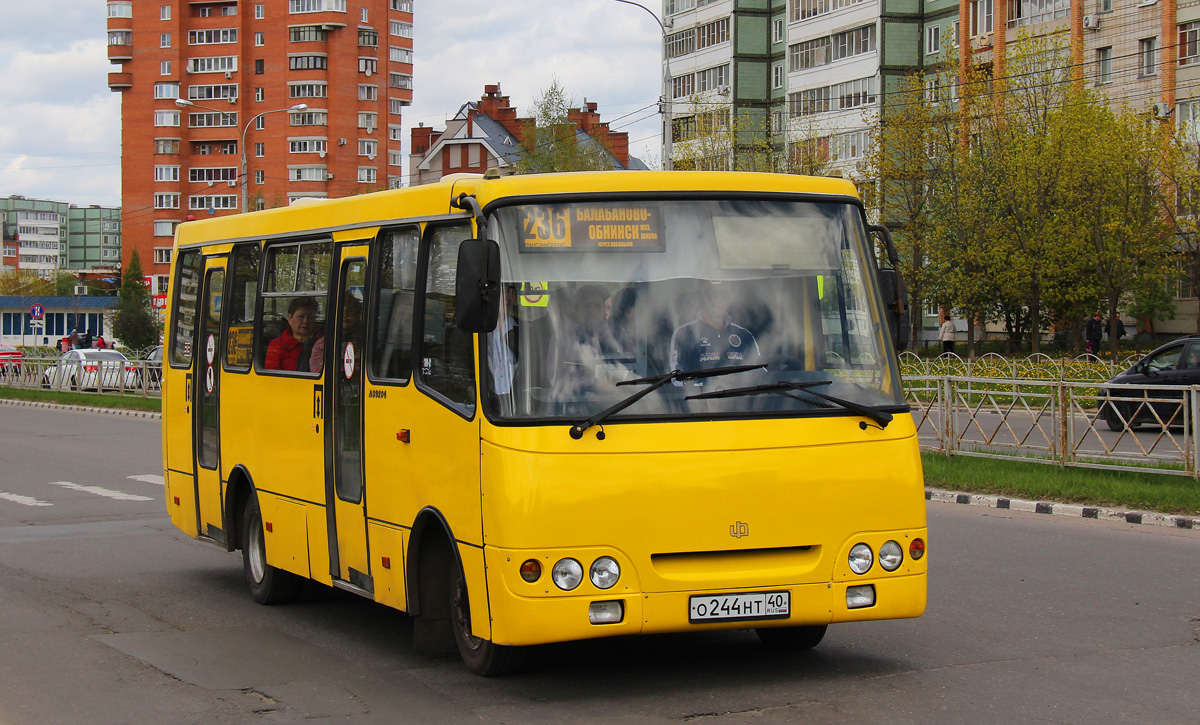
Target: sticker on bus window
<point>617,227</point>
<point>535,294</point>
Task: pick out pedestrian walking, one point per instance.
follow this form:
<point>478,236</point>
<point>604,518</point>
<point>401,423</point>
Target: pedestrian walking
<point>74,338</point>
<point>946,332</point>
<point>1093,332</point>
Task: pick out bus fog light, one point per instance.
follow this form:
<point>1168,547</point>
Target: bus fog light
<point>605,572</point>
<point>531,570</point>
<point>860,596</point>
<point>916,549</point>
<point>891,556</point>
<point>567,574</point>
<point>606,612</point>
<point>861,558</point>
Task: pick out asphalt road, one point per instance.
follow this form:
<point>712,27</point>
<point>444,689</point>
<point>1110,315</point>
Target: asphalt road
<point>108,615</point>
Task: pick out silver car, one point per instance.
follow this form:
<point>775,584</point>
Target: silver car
<point>92,370</point>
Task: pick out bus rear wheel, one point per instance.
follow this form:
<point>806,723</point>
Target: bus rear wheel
<point>791,639</point>
<point>481,656</point>
<point>267,584</point>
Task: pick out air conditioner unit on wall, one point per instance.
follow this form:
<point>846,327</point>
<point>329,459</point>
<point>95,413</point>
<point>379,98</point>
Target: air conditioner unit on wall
<point>985,41</point>
<point>1091,22</point>
<point>80,289</point>
<point>1162,110</point>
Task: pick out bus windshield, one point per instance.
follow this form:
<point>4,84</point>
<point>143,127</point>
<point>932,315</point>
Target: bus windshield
<point>602,292</point>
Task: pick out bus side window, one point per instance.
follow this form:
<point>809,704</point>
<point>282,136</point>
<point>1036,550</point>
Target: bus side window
<point>239,311</point>
<point>183,318</point>
<point>447,356</point>
<point>294,293</point>
<point>397,252</point>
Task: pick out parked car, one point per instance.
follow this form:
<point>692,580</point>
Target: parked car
<point>91,370</point>
<point>1174,365</point>
<point>10,360</point>
<point>153,368</point>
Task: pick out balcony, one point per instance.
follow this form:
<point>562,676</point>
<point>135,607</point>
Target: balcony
<point>118,81</point>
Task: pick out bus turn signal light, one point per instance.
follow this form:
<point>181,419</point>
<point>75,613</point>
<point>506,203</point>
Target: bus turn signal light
<point>531,570</point>
<point>916,549</point>
<point>402,435</point>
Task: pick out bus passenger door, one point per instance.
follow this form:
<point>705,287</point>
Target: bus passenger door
<point>344,360</point>
<point>206,391</point>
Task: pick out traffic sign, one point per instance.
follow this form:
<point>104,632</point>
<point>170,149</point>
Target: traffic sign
<point>37,311</point>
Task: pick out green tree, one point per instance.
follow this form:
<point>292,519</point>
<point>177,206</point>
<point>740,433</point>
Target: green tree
<point>558,143</point>
<point>135,324</point>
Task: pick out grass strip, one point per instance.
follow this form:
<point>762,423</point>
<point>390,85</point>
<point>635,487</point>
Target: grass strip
<point>1044,482</point>
<point>91,400</point>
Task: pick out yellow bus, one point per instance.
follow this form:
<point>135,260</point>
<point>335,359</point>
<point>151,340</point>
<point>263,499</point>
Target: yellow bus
<point>546,408</point>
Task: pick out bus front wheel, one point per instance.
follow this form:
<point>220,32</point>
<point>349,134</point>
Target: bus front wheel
<point>268,585</point>
<point>481,656</point>
<point>791,639</point>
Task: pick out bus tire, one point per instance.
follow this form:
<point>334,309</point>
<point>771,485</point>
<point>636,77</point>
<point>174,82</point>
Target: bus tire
<point>267,584</point>
<point>791,639</point>
<point>481,656</point>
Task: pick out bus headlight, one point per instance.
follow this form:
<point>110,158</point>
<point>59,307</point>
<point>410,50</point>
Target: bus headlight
<point>861,558</point>
<point>605,572</point>
<point>891,556</point>
<point>567,574</point>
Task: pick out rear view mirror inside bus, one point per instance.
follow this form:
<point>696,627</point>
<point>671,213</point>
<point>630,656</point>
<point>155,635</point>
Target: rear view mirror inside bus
<point>477,287</point>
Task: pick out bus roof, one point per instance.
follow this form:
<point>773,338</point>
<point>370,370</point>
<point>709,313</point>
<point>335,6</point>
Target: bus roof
<point>395,205</point>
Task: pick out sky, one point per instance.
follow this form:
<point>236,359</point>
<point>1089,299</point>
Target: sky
<point>60,127</point>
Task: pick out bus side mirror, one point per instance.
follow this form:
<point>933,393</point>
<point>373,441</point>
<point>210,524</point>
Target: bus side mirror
<point>477,286</point>
<point>892,288</point>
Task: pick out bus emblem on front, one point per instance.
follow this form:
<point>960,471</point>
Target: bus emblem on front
<point>738,530</point>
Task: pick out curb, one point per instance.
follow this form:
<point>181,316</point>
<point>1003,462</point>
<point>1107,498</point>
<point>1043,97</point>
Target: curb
<point>1065,509</point>
<point>86,409</point>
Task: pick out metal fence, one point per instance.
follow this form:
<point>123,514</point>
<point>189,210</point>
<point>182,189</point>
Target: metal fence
<point>141,378</point>
<point>1071,423</point>
<point>1033,367</point>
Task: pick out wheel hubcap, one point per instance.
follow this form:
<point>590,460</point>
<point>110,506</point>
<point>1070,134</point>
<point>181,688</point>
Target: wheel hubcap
<point>258,564</point>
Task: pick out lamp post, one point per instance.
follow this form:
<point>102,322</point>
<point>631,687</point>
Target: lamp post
<point>665,105</point>
<point>184,103</point>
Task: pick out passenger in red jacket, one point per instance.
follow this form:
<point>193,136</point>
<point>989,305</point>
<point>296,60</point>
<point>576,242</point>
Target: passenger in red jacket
<point>285,351</point>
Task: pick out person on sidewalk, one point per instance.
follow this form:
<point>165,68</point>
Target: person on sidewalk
<point>1093,332</point>
<point>947,332</point>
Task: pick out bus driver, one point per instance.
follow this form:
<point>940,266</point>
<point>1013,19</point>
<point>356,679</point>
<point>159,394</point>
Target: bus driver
<point>712,339</point>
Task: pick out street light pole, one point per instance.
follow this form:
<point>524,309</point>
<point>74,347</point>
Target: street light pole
<point>181,102</point>
<point>665,101</point>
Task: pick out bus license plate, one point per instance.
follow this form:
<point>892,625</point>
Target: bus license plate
<point>732,607</point>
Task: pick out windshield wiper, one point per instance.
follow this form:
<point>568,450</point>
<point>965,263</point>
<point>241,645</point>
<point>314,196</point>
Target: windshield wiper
<point>784,387</point>
<point>655,383</point>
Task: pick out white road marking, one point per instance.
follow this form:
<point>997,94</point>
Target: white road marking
<point>147,478</point>
<point>23,500</point>
<point>119,495</point>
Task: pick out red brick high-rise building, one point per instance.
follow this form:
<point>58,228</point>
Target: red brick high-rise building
<point>199,78</point>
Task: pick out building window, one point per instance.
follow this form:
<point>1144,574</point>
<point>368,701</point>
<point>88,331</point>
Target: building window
<point>212,174</point>
<point>364,16</point>
<point>307,34</point>
<point>164,12</point>
<point>260,94</point>
<point>395,132</point>
<point>681,43</point>
<point>1106,6</point>
<point>260,177</point>
<point>218,36</point>
<point>166,118</point>
<point>259,66</point>
<point>1104,57</point>
<point>213,91</point>
<point>367,120</point>
<point>368,93</point>
<point>403,81</point>
<point>933,40</point>
<point>802,9</point>
<point>162,255</point>
<point>777,75</point>
<point>213,64</point>
<point>981,17</point>
<point>368,65</point>
<point>203,149</point>
<point>260,12</point>
<point>307,145</point>
<point>395,158</point>
<point>120,9</point>
<point>260,38</point>
<point>400,28</point>
<point>713,79</point>
<point>229,147</point>
<point>260,122</point>
<point>367,147</point>
<point>368,37</point>
<point>313,90</point>
<point>166,201</point>
<point>211,120</point>
<point>166,173</point>
<point>308,118</point>
<point>164,40</point>
<point>164,67</point>
<point>213,201</point>
<point>779,30</point>
<point>1148,56</point>
<point>683,86</point>
<point>166,145</point>
<point>1189,43</point>
<point>306,173</point>
<point>367,175</point>
<point>403,6</point>
<point>713,33</point>
<point>260,149</point>
<point>396,106</point>
<point>316,6</point>
<point>308,62</point>
<point>166,90</point>
<point>397,54</point>
<point>229,11</point>
<point>854,42</point>
<point>809,54</point>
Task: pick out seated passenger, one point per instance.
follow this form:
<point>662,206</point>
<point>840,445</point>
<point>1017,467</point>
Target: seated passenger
<point>712,339</point>
<point>286,351</point>
<point>351,332</point>
<point>590,350</point>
